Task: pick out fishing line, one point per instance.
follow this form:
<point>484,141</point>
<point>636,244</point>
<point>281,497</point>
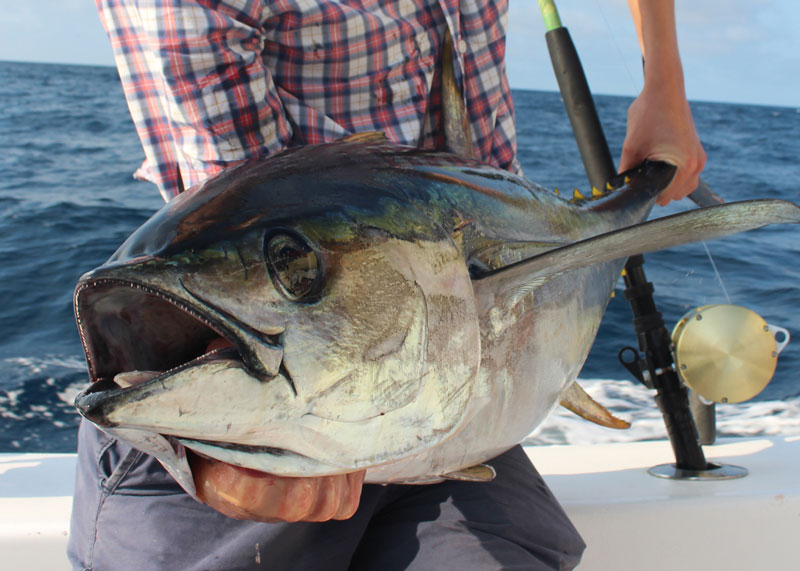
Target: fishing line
<point>620,53</point>
<point>637,89</point>
<point>716,273</point>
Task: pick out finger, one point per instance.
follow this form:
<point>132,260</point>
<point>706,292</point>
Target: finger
<point>338,497</point>
<point>684,183</point>
<point>215,488</point>
<point>241,493</point>
<point>298,500</point>
<point>630,158</point>
<point>328,498</point>
<point>349,506</point>
<point>672,192</point>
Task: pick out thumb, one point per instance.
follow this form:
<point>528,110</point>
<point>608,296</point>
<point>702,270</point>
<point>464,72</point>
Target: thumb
<point>631,157</point>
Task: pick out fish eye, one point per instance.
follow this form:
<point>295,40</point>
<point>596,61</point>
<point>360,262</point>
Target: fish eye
<point>293,265</point>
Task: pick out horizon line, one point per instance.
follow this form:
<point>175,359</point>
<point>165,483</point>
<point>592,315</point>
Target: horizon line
<point>513,88</point>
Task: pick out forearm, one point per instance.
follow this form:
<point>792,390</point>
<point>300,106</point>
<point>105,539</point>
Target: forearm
<point>658,39</point>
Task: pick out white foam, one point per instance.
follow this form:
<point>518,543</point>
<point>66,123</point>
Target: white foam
<point>9,400</point>
<point>36,365</point>
<point>636,404</point>
<point>70,393</point>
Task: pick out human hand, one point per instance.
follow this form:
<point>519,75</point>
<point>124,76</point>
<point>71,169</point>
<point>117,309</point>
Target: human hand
<point>660,127</point>
<point>242,493</point>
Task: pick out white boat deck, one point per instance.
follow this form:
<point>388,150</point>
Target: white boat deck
<point>629,519</point>
<point>632,520</point>
<point>35,504</point>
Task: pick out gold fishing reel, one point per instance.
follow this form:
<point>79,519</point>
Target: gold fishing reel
<point>727,353</point>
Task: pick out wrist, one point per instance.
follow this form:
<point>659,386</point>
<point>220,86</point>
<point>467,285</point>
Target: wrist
<point>664,78</point>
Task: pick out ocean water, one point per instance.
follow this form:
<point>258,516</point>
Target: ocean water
<point>67,200</point>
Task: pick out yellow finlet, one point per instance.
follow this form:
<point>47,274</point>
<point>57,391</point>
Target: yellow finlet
<point>576,400</point>
<point>555,190</point>
<point>366,137</point>
<point>596,193</point>
<point>479,473</point>
<point>608,186</point>
<point>576,194</point>
<point>627,179</point>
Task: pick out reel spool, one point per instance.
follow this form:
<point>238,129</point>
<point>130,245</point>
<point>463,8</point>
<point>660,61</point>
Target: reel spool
<point>727,353</point>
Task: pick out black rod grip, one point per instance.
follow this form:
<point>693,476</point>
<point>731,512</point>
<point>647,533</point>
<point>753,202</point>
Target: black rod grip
<point>580,107</point>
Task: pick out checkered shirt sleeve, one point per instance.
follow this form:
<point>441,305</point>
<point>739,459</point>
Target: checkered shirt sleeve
<point>210,83</point>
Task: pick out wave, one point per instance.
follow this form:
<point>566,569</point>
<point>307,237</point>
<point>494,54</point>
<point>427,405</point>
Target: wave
<point>635,403</point>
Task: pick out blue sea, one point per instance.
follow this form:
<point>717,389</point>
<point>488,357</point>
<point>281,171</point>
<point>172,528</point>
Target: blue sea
<point>67,200</point>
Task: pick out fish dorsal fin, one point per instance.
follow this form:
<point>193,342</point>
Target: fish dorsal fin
<point>498,286</point>
<point>455,122</point>
<point>365,137</point>
<point>578,401</point>
<point>479,473</point>
<point>457,137</point>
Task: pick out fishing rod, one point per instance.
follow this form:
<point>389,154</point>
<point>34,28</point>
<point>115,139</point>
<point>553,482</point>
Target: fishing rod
<point>655,368</point>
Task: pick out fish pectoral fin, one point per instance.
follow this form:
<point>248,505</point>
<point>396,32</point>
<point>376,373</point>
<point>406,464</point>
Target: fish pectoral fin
<point>575,399</point>
<point>478,473</point>
<point>684,227</point>
<point>365,137</point>
<point>499,254</point>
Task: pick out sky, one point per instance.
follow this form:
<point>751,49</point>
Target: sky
<point>742,51</point>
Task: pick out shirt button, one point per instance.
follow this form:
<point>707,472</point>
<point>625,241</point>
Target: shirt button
<point>462,46</point>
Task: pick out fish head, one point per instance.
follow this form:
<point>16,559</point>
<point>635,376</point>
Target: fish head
<point>281,326</point>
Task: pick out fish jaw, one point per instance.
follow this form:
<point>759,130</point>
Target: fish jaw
<point>213,401</point>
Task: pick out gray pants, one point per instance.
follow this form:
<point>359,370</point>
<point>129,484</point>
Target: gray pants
<point>129,514</point>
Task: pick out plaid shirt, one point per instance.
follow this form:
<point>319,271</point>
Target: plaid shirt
<point>213,82</point>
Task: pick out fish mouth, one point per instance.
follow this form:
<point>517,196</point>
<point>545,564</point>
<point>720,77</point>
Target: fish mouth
<point>134,334</point>
<point>127,326</point>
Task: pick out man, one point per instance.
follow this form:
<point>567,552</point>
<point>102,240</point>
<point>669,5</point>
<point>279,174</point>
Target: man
<point>210,83</point>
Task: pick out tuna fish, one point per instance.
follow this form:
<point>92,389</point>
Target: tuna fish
<point>360,305</point>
